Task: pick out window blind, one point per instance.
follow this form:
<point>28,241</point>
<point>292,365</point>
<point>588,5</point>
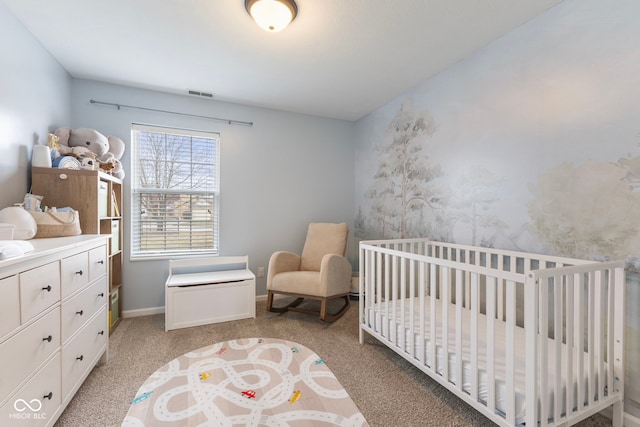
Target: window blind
<point>174,192</point>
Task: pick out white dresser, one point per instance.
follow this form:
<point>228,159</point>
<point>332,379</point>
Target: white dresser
<point>53,326</point>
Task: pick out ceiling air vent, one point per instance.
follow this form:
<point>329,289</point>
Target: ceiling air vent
<point>198,93</point>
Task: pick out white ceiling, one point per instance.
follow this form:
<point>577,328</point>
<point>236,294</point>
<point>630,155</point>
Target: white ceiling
<point>338,59</point>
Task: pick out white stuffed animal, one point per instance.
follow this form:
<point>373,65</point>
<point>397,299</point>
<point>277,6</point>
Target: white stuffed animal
<point>108,150</point>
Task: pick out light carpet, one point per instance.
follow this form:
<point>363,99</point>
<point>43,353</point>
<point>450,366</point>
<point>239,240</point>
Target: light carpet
<point>387,389</point>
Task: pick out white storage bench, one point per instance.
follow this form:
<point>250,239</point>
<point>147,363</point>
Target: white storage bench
<point>209,290</point>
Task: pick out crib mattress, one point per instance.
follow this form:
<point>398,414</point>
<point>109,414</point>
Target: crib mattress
<point>403,336</point>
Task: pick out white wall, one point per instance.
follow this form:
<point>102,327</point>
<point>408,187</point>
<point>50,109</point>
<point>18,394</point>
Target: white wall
<point>34,100</point>
<point>277,176</point>
<point>537,142</point>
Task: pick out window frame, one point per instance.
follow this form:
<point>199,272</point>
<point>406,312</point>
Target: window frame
<point>136,189</point>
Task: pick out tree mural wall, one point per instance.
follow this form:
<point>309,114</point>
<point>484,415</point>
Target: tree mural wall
<point>409,198</point>
<point>475,193</point>
<point>589,211</point>
<point>405,182</point>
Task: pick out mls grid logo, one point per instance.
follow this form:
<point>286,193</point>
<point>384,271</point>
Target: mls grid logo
<point>27,410</point>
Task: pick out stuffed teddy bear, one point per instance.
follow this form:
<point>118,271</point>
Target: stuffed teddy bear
<point>108,150</point>
<point>113,156</point>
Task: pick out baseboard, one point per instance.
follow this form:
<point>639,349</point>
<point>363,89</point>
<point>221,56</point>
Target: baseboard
<point>631,421</point>
<point>159,310</point>
<point>142,312</point>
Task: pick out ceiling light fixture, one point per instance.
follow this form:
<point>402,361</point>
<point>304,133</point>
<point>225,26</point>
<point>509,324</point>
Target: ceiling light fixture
<point>272,15</point>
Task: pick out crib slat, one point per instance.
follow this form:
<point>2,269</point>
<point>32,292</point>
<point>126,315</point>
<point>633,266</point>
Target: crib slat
<point>490,330</point>
<point>610,333</point>
<point>403,314</point>
<point>393,330</point>
<point>361,316</point>
<point>385,296</point>
<point>580,330</point>
<point>433,319</point>
<point>467,291</point>
<point>445,300</point>
<point>370,291</point>
<point>543,305</point>
<point>378,292</point>
<point>619,330</point>
<point>459,297</point>
<point>531,361</point>
<point>591,340</point>
<point>510,308</point>
<point>473,259</point>
<point>557,343</point>
<point>423,268</point>
<point>475,308</point>
<point>500,302</point>
<point>600,338</point>
<point>569,315</point>
<point>412,308</point>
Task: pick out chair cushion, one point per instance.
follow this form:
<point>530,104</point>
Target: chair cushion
<point>297,282</point>
<point>322,239</point>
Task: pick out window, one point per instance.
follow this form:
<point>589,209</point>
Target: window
<point>174,192</point>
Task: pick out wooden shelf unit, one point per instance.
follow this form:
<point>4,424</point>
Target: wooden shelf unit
<point>97,197</point>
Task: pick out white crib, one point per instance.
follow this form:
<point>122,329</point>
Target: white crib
<point>505,331</point>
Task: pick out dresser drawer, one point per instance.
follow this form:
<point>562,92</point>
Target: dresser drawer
<point>10,298</point>
<point>82,306</point>
<point>74,273</point>
<point>97,262</point>
<point>23,352</point>
<point>37,402</point>
<point>79,354</point>
<point>39,289</point>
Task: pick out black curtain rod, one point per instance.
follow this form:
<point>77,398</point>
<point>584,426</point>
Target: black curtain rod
<point>119,106</point>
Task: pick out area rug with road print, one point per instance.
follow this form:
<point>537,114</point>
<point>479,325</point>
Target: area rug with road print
<point>254,382</point>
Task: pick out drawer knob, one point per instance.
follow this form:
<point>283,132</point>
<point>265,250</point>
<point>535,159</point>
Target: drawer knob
<point>48,396</point>
<point>101,333</point>
<point>47,288</point>
<point>80,358</point>
<point>101,294</point>
<point>79,272</point>
<point>48,339</point>
<point>101,262</point>
<point>81,312</point>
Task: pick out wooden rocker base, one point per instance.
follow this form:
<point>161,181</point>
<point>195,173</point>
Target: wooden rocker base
<point>324,315</point>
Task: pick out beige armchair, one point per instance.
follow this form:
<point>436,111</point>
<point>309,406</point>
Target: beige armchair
<point>321,273</point>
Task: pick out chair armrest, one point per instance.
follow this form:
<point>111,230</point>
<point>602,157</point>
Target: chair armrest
<point>335,275</point>
<point>280,262</point>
